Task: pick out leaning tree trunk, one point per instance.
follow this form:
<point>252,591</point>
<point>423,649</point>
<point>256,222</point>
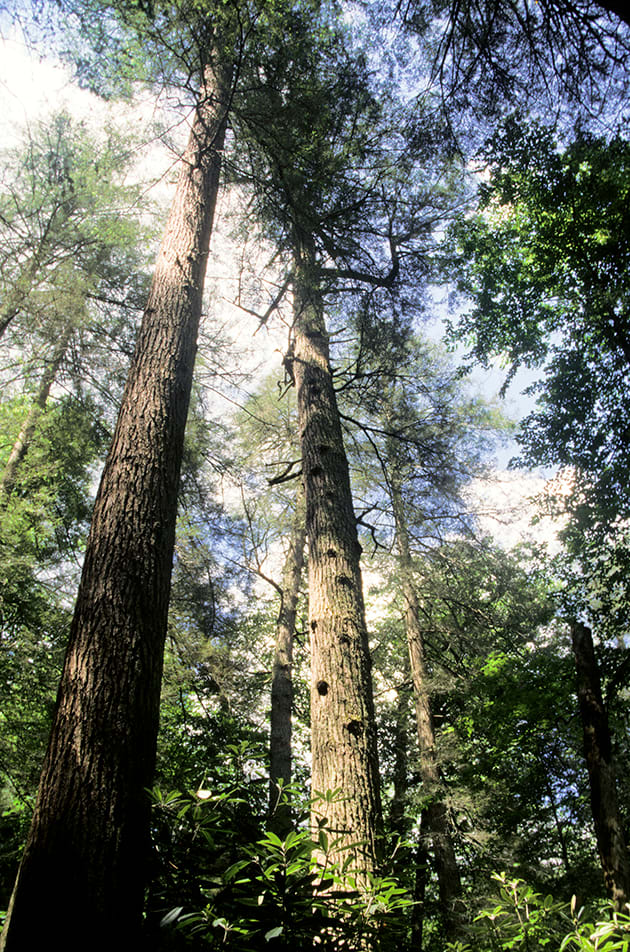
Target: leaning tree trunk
<point>343,726</point>
<point>25,437</point>
<point>611,844</point>
<point>84,863</point>
<point>436,814</point>
<point>17,295</point>
<point>282,681</point>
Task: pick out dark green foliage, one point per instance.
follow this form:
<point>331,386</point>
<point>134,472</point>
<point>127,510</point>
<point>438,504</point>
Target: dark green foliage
<point>546,263</point>
<point>509,717</point>
<point>521,918</point>
<point>255,890</point>
<point>566,60</point>
<point>42,532</point>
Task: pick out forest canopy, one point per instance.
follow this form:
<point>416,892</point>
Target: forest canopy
<point>290,292</point>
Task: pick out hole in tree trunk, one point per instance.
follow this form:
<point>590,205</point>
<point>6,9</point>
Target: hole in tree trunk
<point>322,688</point>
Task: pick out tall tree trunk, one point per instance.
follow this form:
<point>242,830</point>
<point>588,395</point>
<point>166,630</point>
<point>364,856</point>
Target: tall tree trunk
<point>282,681</point>
<point>611,844</point>
<point>560,827</point>
<point>25,437</point>
<point>343,725</point>
<point>436,814</point>
<point>84,862</point>
<point>398,823</point>
<point>400,773</point>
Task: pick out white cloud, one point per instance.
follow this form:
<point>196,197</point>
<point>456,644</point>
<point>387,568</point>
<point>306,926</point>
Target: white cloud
<point>505,504</point>
<point>31,87</point>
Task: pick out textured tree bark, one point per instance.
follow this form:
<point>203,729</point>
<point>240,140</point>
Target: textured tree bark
<point>435,816</point>
<point>611,844</point>
<point>84,863</point>
<point>280,753</point>
<point>343,726</point>
<point>25,437</point>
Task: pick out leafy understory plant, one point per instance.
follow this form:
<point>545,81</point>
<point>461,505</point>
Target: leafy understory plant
<point>523,919</point>
<point>286,893</point>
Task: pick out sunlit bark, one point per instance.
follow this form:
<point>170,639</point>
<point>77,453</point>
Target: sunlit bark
<point>342,711</point>
<point>83,870</point>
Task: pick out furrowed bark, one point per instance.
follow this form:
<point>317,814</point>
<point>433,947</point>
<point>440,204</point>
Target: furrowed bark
<point>343,726</point>
<point>611,844</point>
<point>282,682</point>
<point>84,863</point>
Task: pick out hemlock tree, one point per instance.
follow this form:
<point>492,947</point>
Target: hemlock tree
<point>308,156</point>
<point>343,726</point>
<point>63,196</point>
<point>329,179</point>
<point>88,837</point>
<point>89,830</point>
<point>64,208</point>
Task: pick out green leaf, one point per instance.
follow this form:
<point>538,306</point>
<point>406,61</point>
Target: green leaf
<point>171,916</point>
<point>273,933</point>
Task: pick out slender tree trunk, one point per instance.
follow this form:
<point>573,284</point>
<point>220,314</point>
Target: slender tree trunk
<point>282,681</point>
<point>400,776</point>
<point>25,437</point>
<point>18,294</point>
<point>560,830</point>
<point>342,708</point>
<point>611,844</point>
<point>437,820</point>
<point>85,858</point>
<point>398,822</point>
<point>420,885</point>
